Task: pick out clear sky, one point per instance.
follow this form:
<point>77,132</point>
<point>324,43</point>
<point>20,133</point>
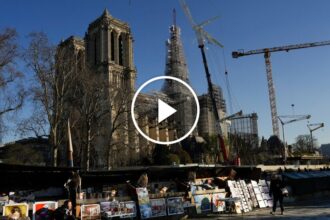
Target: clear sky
<point>301,77</point>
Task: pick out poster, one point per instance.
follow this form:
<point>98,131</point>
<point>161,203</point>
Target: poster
<point>121,209</point>
<point>16,210</point>
<point>90,212</point>
<point>175,206</point>
<point>218,203</point>
<point>238,207</point>
<point>144,202</point>
<point>44,210</point>
<point>111,209</point>
<point>203,203</point>
<point>128,209</point>
<point>158,207</point>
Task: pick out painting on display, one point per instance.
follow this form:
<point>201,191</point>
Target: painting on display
<point>128,209</point>
<point>110,209</point>
<point>118,209</point>
<point>203,203</point>
<point>175,206</point>
<point>218,204</point>
<point>16,211</point>
<point>44,210</point>
<point>90,212</point>
<point>238,207</point>
<point>144,203</point>
<point>158,207</point>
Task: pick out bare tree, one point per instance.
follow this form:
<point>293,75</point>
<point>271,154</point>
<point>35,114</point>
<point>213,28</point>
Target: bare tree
<point>303,144</point>
<point>120,100</point>
<point>12,92</point>
<point>36,124</point>
<point>103,117</point>
<point>89,114</point>
<point>54,75</point>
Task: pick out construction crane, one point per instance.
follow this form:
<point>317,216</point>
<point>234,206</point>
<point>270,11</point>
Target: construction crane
<point>314,127</point>
<point>237,114</point>
<point>271,89</point>
<point>202,36</point>
<point>287,119</point>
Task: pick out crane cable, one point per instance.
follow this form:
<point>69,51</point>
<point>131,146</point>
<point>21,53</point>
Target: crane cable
<point>232,100</point>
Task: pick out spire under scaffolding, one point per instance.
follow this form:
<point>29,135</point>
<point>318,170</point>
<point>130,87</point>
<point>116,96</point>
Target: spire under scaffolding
<point>176,66</point>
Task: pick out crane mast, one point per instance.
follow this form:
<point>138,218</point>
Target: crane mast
<point>290,119</point>
<point>311,128</point>
<point>271,89</point>
<point>271,93</point>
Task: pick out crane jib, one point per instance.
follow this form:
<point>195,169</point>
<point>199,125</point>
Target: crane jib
<point>236,54</point>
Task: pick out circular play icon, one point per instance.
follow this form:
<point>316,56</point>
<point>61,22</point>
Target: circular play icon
<point>169,111</point>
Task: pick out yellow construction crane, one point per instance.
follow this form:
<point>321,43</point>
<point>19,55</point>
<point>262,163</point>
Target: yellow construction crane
<point>271,89</point>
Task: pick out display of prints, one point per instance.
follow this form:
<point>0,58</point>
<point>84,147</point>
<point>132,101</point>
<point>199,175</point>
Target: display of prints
<point>203,203</point>
<point>264,189</point>
<point>252,195</point>
<point>238,207</point>
<point>175,206</point>
<point>128,209</point>
<point>266,196</point>
<point>90,212</point>
<point>144,202</point>
<point>158,207</point>
<point>218,203</point>
<point>111,209</point>
<point>44,210</point>
<point>262,204</point>
<point>258,194</point>
<point>270,203</point>
<point>16,211</point>
<point>259,197</point>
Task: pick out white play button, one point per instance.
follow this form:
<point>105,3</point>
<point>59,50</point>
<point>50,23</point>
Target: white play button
<point>164,111</point>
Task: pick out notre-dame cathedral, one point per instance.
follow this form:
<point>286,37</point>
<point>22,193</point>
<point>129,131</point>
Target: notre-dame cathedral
<point>107,50</point>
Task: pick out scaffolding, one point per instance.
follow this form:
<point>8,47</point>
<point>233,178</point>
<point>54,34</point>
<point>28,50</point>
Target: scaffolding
<point>246,128</point>
<point>176,66</point>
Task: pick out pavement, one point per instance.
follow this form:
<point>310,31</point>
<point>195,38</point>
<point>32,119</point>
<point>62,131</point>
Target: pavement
<point>304,210</point>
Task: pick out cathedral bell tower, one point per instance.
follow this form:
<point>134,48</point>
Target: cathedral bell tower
<point>109,54</point>
<point>109,50</point>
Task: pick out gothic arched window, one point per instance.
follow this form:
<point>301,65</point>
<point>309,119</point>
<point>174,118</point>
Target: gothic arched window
<point>112,46</point>
<point>121,49</point>
<point>95,50</point>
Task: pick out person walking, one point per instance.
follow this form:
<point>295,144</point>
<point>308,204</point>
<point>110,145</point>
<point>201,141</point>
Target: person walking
<point>73,185</point>
<point>276,186</point>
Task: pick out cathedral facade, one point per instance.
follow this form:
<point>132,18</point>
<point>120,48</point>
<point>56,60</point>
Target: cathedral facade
<point>107,53</point>
<point>108,137</point>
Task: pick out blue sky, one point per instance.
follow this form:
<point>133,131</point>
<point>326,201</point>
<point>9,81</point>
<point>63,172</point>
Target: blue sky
<point>301,77</point>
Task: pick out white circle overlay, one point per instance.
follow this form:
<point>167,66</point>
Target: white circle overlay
<point>142,87</point>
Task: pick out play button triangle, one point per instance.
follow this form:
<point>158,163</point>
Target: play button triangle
<point>164,111</point>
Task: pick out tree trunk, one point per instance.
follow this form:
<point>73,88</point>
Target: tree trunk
<point>55,149</point>
<point>88,150</point>
<point>109,155</point>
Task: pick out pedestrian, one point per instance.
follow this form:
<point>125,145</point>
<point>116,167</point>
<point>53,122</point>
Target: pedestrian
<point>64,212</point>
<point>73,185</point>
<point>276,186</point>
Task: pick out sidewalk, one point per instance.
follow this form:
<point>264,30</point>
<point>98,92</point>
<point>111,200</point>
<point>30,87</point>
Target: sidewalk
<point>305,210</point>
